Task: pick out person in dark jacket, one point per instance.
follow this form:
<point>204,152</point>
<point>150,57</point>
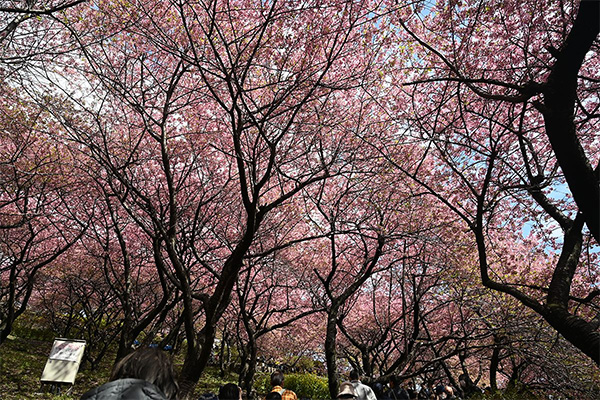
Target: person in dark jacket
<point>396,392</point>
<point>379,390</point>
<point>145,374</point>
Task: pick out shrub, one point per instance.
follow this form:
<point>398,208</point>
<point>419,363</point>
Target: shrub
<point>262,383</point>
<point>32,326</point>
<point>306,386</point>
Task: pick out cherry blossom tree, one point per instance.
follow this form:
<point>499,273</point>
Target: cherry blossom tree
<point>260,168</point>
<point>269,297</point>
<point>185,97</point>
<point>39,220</point>
<point>16,14</point>
<point>369,229</point>
<point>129,273</point>
<point>508,133</point>
<point>39,215</point>
<point>79,303</point>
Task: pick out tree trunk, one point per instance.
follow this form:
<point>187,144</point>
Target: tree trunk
<point>224,347</point>
<point>560,95</point>
<point>197,358</point>
<point>195,362</point>
<point>494,362</point>
<point>366,361</point>
<point>124,342</point>
<point>330,352</point>
<point>577,331</point>
<point>247,381</point>
<point>581,333</point>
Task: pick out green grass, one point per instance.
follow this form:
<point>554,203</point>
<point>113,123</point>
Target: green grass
<point>22,362</point>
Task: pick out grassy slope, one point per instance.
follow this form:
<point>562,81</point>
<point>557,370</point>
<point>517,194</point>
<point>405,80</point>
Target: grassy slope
<point>22,362</point>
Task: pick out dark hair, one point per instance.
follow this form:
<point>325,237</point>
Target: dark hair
<point>151,365</point>
<point>378,389</point>
<point>273,396</point>
<point>277,378</point>
<point>354,375</point>
<point>229,391</point>
<point>395,381</point>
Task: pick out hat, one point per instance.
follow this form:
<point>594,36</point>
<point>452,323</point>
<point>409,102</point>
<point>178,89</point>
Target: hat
<point>346,391</point>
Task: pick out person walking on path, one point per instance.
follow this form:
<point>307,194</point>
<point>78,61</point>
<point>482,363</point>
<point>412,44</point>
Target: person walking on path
<point>346,391</point>
<point>396,392</point>
<point>277,379</point>
<point>363,392</point>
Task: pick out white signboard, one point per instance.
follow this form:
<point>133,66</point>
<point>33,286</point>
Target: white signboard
<point>63,362</point>
<point>66,350</point>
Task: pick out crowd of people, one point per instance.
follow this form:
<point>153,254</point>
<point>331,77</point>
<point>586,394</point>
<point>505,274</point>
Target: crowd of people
<point>355,389</point>
<point>147,374</point>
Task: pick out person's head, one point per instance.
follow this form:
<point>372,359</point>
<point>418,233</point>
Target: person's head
<point>378,389</point>
<point>273,396</point>
<point>277,378</point>
<point>444,391</point>
<point>394,381</point>
<point>151,365</point>
<point>230,391</point>
<point>464,380</point>
<point>346,391</point>
<point>439,390</point>
<point>449,391</point>
<point>354,375</point>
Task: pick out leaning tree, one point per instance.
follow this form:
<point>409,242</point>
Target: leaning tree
<point>504,102</point>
